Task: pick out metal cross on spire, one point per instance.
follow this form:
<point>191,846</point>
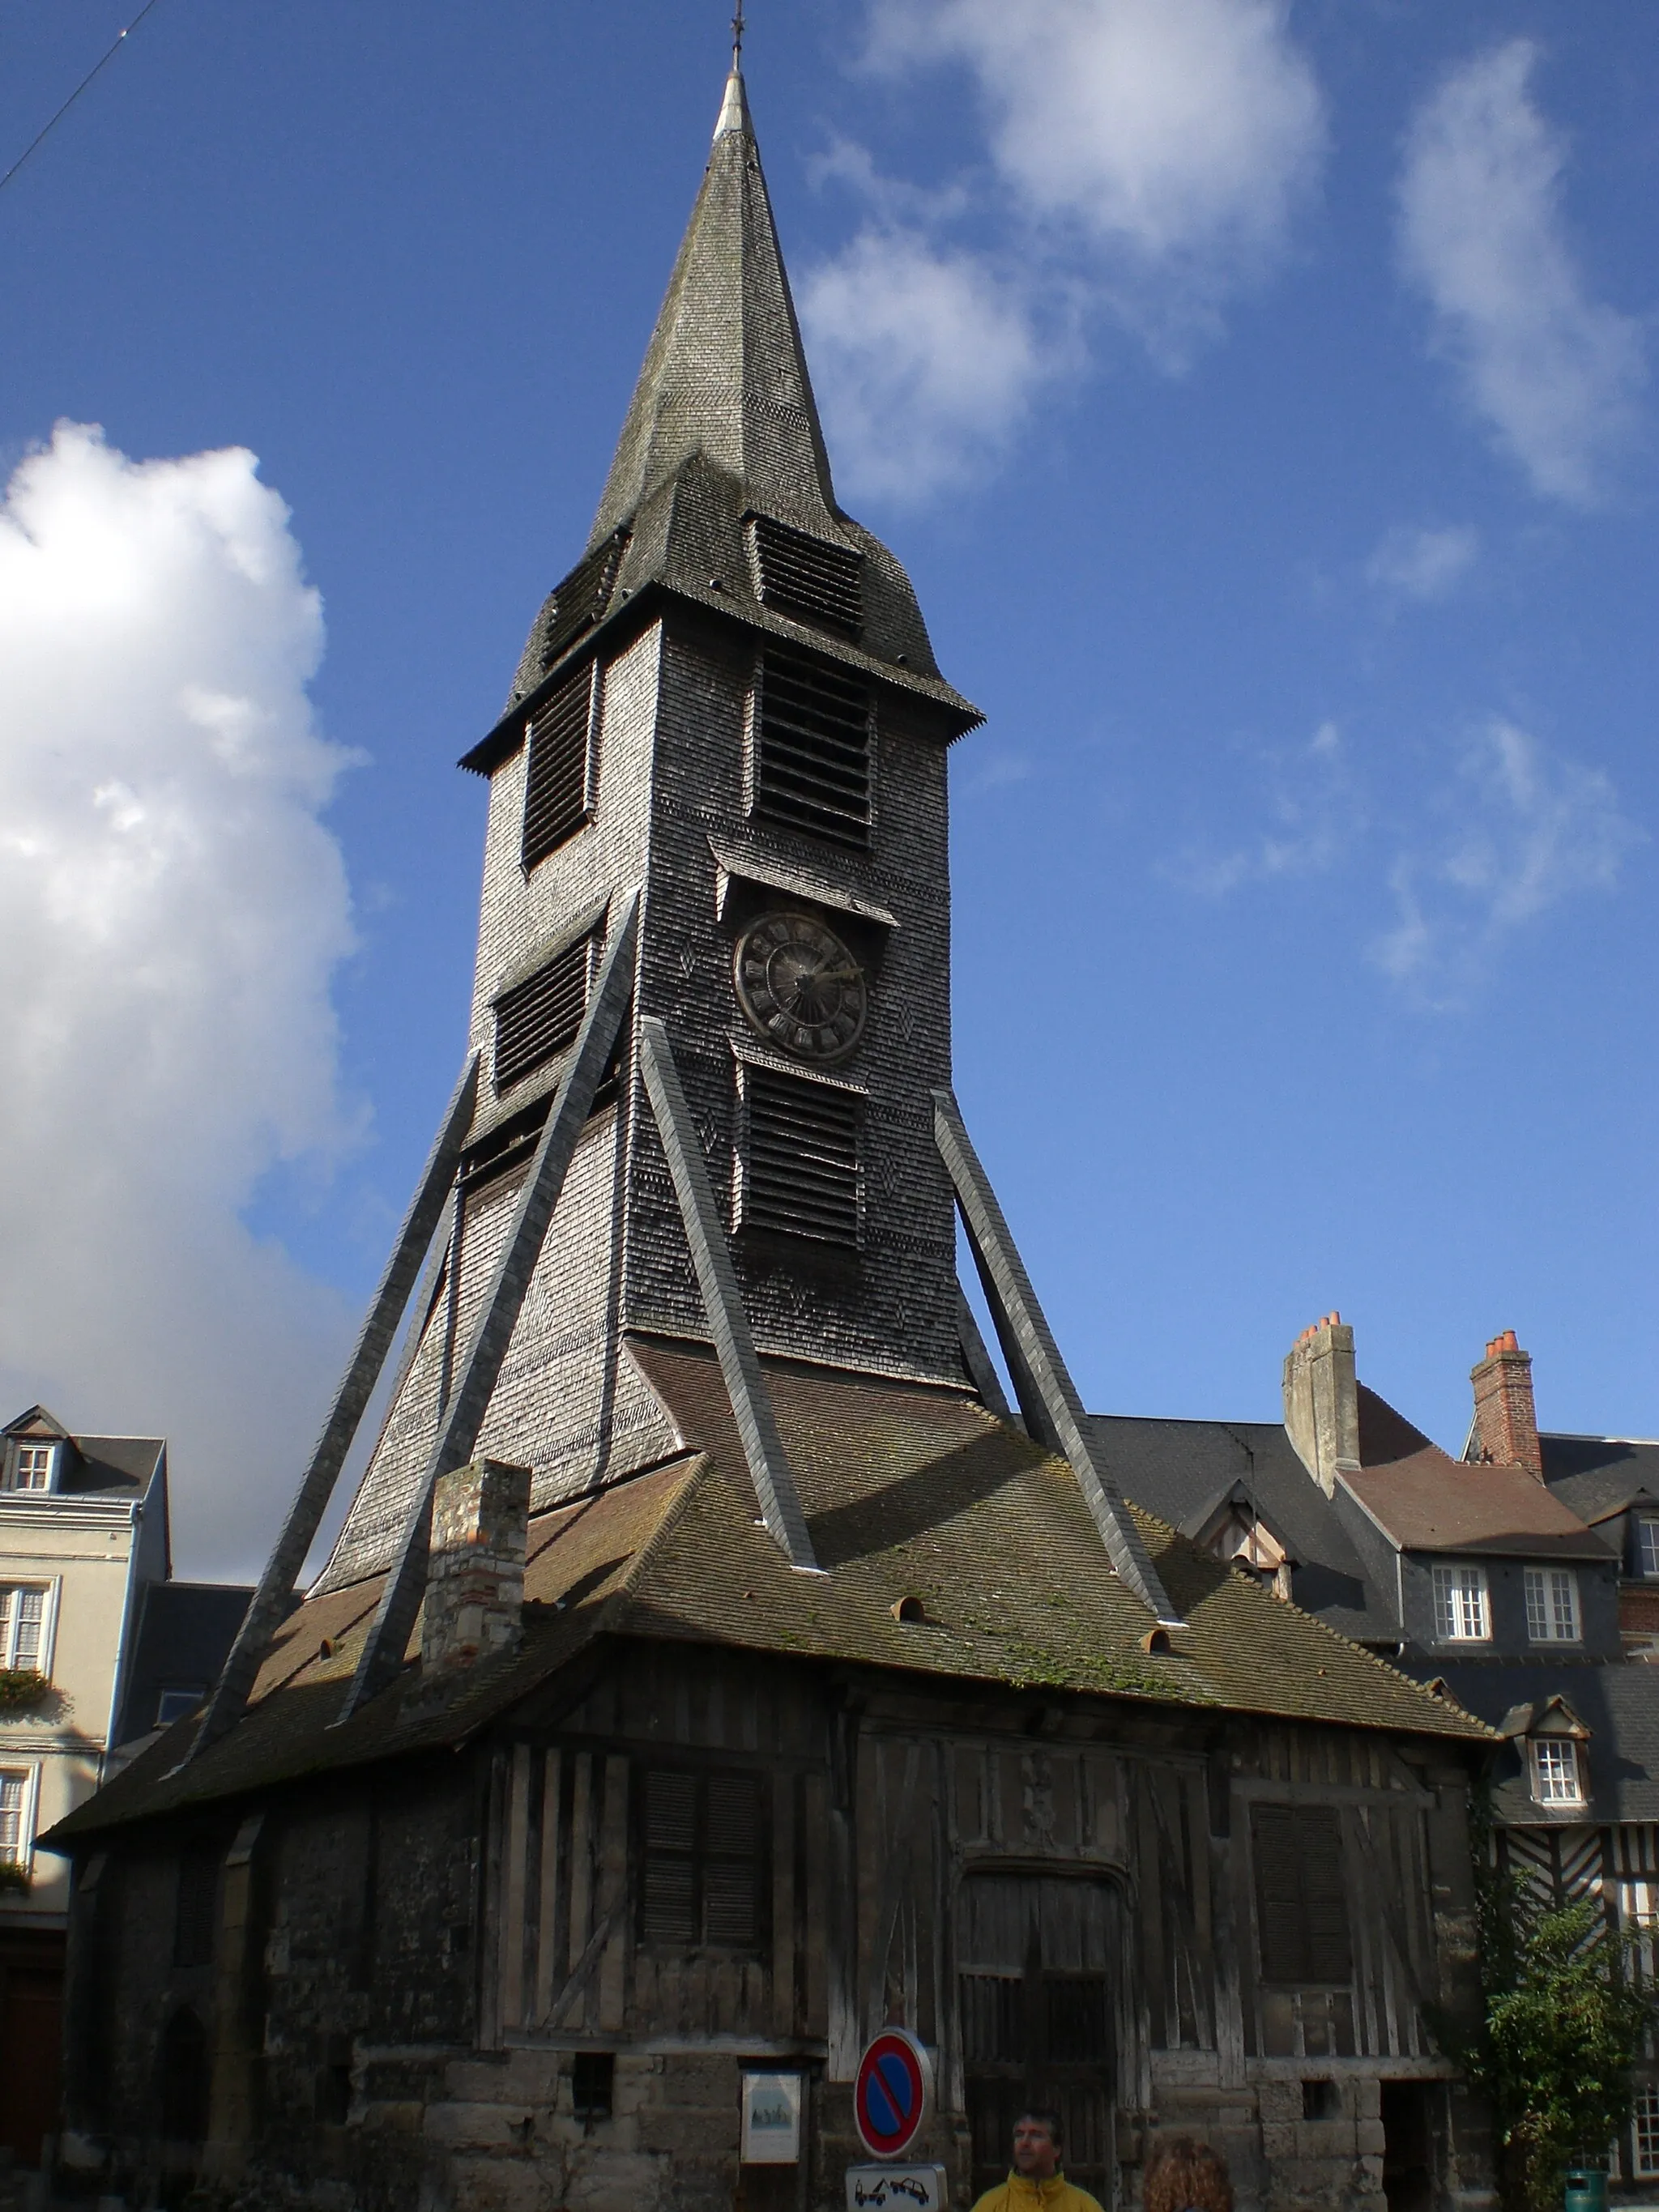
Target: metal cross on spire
<point>737,37</point>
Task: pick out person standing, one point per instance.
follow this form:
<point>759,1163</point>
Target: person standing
<point>1036,2183</point>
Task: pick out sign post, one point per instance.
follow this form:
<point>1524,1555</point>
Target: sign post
<point>892,2103</point>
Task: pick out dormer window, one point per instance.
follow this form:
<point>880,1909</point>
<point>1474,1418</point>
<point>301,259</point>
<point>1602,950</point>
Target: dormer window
<point>1551,1605</point>
<point>1555,1770</point>
<point>1460,1613</point>
<point>1647,1546</point>
<point>34,1466</point>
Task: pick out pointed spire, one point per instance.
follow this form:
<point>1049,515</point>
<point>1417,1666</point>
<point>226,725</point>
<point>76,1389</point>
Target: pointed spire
<point>725,374</point>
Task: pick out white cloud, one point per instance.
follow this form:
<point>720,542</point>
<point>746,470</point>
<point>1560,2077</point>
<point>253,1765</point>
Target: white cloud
<point>1532,829</point>
<point>171,909</point>
<point>1315,810</point>
<point>927,361</point>
<point>1424,563</point>
<point>1553,372</point>
<point>1147,157</point>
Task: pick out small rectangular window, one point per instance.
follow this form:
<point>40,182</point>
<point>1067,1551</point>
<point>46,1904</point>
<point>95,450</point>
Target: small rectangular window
<point>1551,1605</point>
<point>593,2084</point>
<point>800,1176</point>
<point>1555,1770</point>
<point>538,1018</point>
<point>703,1860</point>
<point>175,1702</point>
<point>1460,1605</point>
<point>31,1465</point>
<point>557,799</point>
<point>1646,2118</point>
<point>1647,1545</point>
<point>1301,1899</point>
<point>811,743</point>
<point>22,1624</point>
<point>807,576</point>
<point>15,1839</point>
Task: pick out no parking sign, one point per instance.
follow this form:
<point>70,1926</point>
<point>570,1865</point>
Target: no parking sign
<point>892,2093</point>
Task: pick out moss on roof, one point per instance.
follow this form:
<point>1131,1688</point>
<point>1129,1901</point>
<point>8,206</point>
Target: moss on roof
<point>911,1493</point>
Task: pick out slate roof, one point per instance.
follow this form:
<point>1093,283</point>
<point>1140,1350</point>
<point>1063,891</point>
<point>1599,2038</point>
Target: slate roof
<point>909,1491</point>
<point>1599,1476</point>
<point>1183,1470</point>
<point>184,1630</point>
<point>723,423</point>
<point>1618,1702</point>
<point>1433,1503</point>
<point>116,1467</point>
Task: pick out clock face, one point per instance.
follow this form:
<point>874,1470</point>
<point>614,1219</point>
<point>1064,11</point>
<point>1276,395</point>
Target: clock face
<point>800,987</point>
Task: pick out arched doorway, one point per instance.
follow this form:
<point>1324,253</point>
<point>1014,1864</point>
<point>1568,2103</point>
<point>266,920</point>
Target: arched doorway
<point>1038,1959</point>
<point>184,2079</point>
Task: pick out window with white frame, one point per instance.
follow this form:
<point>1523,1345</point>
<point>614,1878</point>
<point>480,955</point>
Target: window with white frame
<point>1555,1770</point>
<point>1551,1605</point>
<point>14,1839</point>
<point>22,1627</point>
<point>1646,2129</point>
<point>1647,1545</point>
<point>1460,1605</point>
<point>31,1465</point>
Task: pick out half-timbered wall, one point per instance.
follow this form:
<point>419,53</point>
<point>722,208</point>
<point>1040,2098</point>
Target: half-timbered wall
<point>709,1861</point>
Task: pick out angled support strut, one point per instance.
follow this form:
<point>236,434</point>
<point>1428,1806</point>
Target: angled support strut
<point>745,1386</point>
<point>1054,1412</point>
<point>230,1696</point>
<point>469,1400</point>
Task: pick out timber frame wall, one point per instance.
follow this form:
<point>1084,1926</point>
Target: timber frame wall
<point>410,1960</point>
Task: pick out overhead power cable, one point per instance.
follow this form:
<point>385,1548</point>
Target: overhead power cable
<point>103,60</point>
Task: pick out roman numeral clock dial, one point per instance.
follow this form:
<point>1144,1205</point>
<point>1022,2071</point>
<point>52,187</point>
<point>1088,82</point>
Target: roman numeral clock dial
<point>800,987</point>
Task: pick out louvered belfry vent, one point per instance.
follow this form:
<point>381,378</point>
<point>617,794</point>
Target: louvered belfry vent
<point>1301,1900</point>
<point>807,576</point>
<point>812,748</point>
<point>581,599</point>
<point>540,1017</point>
<point>556,798</point>
<point>801,1168</point>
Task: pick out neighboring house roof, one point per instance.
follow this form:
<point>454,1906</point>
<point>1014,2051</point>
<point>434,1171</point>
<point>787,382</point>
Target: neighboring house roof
<point>1433,1503</point>
<point>1600,1476</point>
<point>1183,1470</point>
<point>184,1631</point>
<point>94,1466</point>
<point>1619,1704</point>
<point>909,1491</point>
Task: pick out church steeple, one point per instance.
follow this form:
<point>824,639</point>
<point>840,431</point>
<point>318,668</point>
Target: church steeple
<point>725,374</point>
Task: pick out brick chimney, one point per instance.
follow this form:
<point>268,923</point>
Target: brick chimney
<point>1322,1400</point>
<point>1505,1421</point>
<point>475,1580</point>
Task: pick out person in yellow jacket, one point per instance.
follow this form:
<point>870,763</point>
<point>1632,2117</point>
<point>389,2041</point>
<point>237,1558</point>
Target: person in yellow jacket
<point>1037,2184</point>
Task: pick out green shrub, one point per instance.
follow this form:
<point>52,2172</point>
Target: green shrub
<point>20,1687</point>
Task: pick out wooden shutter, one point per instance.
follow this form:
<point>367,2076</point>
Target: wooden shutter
<point>541,1015</point>
<point>704,1860</point>
<point>801,1168</point>
<point>812,748</point>
<point>808,576</point>
<point>669,1900</point>
<point>1301,1900</point>
<point>197,1912</point>
<point>555,799</point>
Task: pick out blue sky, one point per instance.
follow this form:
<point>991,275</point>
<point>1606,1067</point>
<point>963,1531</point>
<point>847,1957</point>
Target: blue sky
<point>1261,400</point>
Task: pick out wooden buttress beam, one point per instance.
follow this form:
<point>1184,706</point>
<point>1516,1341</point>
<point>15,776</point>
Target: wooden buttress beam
<point>270,1601</point>
<point>745,1386</point>
<point>464,1412</point>
<point>1048,1398</point>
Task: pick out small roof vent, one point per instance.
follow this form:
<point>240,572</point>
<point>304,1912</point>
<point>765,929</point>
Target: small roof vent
<point>807,576</point>
<point>907,1611</point>
<point>1157,1642</point>
<point>581,601</point>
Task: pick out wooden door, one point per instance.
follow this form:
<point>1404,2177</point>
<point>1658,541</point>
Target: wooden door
<point>1039,1961</point>
<point>31,2040</point>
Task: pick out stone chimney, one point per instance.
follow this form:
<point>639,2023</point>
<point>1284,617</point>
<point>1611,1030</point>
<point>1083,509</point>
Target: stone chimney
<point>475,1579</point>
<point>1322,1400</point>
<point>1505,1422</point>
